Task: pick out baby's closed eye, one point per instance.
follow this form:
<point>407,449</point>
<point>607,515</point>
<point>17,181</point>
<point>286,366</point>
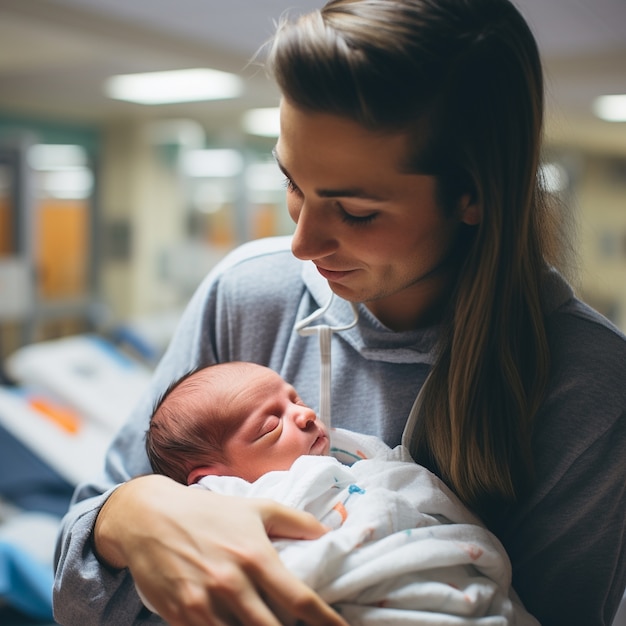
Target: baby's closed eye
<point>270,425</point>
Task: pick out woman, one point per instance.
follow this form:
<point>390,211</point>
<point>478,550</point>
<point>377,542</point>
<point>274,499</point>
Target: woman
<point>410,139</point>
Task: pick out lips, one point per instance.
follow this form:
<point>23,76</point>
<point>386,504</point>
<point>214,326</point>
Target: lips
<point>319,445</point>
<point>333,274</point>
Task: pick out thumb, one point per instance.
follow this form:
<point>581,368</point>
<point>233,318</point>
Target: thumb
<point>284,522</point>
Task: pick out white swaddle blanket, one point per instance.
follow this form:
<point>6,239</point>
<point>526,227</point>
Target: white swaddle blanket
<point>403,549</point>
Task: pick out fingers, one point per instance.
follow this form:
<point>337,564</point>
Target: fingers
<point>206,560</point>
<point>227,598</point>
<point>286,523</point>
<point>270,594</point>
<point>235,595</point>
<point>286,594</point>
<point>274,586</point>
<point>289,596</point>
<point>250,609</point>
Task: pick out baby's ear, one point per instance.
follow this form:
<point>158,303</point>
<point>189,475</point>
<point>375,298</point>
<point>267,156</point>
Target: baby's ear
<point>207,470</point>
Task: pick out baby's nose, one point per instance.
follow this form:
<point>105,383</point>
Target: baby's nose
<point>304,416</point>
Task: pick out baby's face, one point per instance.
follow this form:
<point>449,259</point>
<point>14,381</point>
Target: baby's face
<point>278,427</point>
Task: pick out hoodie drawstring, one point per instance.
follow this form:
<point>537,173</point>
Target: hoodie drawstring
<point>325,332</point>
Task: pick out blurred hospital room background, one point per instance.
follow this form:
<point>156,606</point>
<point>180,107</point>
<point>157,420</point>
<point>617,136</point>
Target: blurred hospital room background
<point>117,196</point>
<point>111,210</point>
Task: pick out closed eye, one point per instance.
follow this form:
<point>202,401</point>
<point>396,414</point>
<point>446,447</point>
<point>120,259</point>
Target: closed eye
<point>348,218</point>
<point>270,425</point>
<point>357,220</point>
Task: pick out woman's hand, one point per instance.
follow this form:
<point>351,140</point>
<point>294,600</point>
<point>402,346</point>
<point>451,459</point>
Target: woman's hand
<point>205,559</point>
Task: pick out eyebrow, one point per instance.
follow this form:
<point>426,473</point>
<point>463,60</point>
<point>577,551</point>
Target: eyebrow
<point>348,192</point>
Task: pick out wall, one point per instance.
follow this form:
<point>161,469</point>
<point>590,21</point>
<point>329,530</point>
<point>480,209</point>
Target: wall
<point>143,213</point>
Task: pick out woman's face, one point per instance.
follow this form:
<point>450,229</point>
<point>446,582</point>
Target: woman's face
<point>375,232</point>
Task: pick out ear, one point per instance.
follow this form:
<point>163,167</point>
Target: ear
<point>469,211</point>
<point>207,470</point>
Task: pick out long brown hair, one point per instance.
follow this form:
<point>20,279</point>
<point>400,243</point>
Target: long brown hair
<point>464,78</point>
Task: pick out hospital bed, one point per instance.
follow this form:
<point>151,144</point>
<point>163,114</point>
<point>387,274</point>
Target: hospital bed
<point>59,410</point>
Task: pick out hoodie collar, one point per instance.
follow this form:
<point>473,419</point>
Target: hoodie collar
<point>376,342</point>
<point>370,338</point>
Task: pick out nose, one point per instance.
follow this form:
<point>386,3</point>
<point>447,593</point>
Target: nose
<point>303,416</point>
<point>313,237</point>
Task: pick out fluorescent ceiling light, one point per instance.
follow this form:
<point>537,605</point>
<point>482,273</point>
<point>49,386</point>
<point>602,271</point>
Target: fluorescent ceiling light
<point>611,108</point>
<point>212,163</point>
<point>47,157</point>
<point>265,177</point>
<point>71,184</point>
<point>211,197</point>
<point>262,122</point>
<point>190,85</point>
<point>63,170</point>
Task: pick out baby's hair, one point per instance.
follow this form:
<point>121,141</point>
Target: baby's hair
<point>175,383</point>
<point>188,426</point>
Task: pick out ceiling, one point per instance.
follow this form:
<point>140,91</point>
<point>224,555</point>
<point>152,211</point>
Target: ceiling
<point>56,54</point>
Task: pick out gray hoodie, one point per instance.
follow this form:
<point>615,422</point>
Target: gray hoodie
<point>566,540</point>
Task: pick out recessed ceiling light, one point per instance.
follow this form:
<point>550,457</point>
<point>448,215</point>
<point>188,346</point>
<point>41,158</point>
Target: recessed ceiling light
<point>189,85</point>
<point>262,122</point>
<point>611,108</point>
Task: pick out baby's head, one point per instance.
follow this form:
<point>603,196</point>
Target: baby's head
<point>231,419</point>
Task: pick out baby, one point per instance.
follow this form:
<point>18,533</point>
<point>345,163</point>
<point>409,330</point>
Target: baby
<point>402,544</point>
<point>231,419</point>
